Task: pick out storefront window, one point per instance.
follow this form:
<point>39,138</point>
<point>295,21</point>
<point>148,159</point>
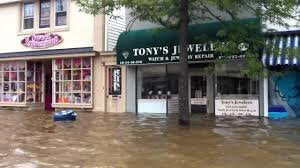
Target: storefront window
<point>152,81</point>
<point>231,82</point>
<point>236,85</point>
<point>72,81</point>
<point>20,85</point>
<point>34,82</point>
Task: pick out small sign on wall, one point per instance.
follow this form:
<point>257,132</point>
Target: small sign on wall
<point>42,40</point>
<point>114,81</point>
<point>198,101</point>
<point>236,107</point>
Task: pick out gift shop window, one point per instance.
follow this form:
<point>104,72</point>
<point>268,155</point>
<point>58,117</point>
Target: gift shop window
<point>73,81</point>
<point>20,82</point>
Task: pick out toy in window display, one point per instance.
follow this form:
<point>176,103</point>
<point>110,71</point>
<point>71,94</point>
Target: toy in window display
<point>29,97</point>
<point>76,62</point>
<point>86,98</point>
<point>58,63</point>
<point>77,98</point>
<point>86,63</point>
<point>86,86</point>
<point>13,66</point>
<point>86,74</point>
<point>77,75</point>
<point>67,64</point>
<point>6,67</point>
<point>21,66</point>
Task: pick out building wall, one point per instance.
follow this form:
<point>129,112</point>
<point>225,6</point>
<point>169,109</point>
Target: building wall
<point>103,102</point>
<point>78,33</point>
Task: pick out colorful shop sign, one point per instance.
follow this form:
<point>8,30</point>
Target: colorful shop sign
<point>162,46</point>
<point>236,107</point>
<point>42,40</point>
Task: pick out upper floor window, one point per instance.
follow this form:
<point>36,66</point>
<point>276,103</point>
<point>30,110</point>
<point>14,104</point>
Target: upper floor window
<point>61,13</point>
<point>45,8</point>
<point>44,14</point>
<point>28,15</point>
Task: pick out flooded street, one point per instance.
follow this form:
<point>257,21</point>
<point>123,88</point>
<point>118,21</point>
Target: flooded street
<point>32,139</point>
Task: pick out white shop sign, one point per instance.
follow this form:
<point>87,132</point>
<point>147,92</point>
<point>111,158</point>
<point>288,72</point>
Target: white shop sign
<point>198,101</point>
<point>237,107</point>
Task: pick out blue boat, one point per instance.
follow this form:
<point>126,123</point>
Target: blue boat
<point>65,115</point>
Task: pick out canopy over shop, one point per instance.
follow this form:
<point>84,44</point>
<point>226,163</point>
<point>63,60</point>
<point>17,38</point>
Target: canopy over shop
<point>224,92</point>
<point>282,55</point>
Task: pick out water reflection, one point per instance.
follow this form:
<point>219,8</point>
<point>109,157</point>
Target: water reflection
<point>32,139</point>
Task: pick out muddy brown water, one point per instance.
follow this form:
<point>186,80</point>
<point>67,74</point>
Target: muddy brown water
<point>103,140</point>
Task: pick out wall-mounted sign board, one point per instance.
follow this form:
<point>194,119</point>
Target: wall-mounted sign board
<point>42,40</point>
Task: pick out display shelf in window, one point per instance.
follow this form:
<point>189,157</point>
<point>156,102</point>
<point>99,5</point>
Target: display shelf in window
<point>13,82</point>
<point>73,81</point>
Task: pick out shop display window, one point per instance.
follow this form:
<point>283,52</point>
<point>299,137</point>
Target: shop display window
<point>73,81</point>
<point>152,82</point>
<point>231,82</point>
<point>20,82</point>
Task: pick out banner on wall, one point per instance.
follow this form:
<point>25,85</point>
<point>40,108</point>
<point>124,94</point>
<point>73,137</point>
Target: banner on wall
<point>237,107</point>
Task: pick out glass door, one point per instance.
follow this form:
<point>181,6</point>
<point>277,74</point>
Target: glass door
<point>198,94</point>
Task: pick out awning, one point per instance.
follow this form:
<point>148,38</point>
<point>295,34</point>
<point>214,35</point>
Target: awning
<point>282,42</point>
<point>153,46</point>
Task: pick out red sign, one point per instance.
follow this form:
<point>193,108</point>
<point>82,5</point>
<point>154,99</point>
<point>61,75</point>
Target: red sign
<point>42,40</point>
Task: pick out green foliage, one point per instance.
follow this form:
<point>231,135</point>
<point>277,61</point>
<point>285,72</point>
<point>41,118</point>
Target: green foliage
<point>167,14</point>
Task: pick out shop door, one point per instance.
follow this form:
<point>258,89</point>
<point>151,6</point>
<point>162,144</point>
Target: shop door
<point>198,94</point>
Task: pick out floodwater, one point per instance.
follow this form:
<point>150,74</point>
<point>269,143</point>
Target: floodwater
<point>103,140</point>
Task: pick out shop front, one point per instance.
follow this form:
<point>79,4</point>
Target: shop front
<point>59,79</point>
<point>283,80</point>
<point>151,58</point>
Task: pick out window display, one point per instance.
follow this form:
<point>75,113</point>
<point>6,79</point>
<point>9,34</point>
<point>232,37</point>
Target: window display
<point>73,81</point>
<point>19,84</point>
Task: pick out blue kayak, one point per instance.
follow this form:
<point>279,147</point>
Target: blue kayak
<point>65,115</point>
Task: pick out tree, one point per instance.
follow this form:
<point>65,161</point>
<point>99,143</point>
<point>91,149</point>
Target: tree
<point>178,14</point>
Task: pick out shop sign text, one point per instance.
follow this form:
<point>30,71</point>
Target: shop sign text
<point>169,54</point>
<point>236,107</point>
<point>42,40</point>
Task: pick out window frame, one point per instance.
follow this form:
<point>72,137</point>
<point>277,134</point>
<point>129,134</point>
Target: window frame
<point>62,82</point>
<point>40,14</point>
<point>37,15</point>
<point>24,17</point>
<point>18,81</point>
<point>56,12</point>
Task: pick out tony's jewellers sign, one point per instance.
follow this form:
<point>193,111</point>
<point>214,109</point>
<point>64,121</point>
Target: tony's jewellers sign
<point>170,54</point>
<point>42,40</point>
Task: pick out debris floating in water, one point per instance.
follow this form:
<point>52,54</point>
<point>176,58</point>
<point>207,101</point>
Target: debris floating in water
<point>65,115</point>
